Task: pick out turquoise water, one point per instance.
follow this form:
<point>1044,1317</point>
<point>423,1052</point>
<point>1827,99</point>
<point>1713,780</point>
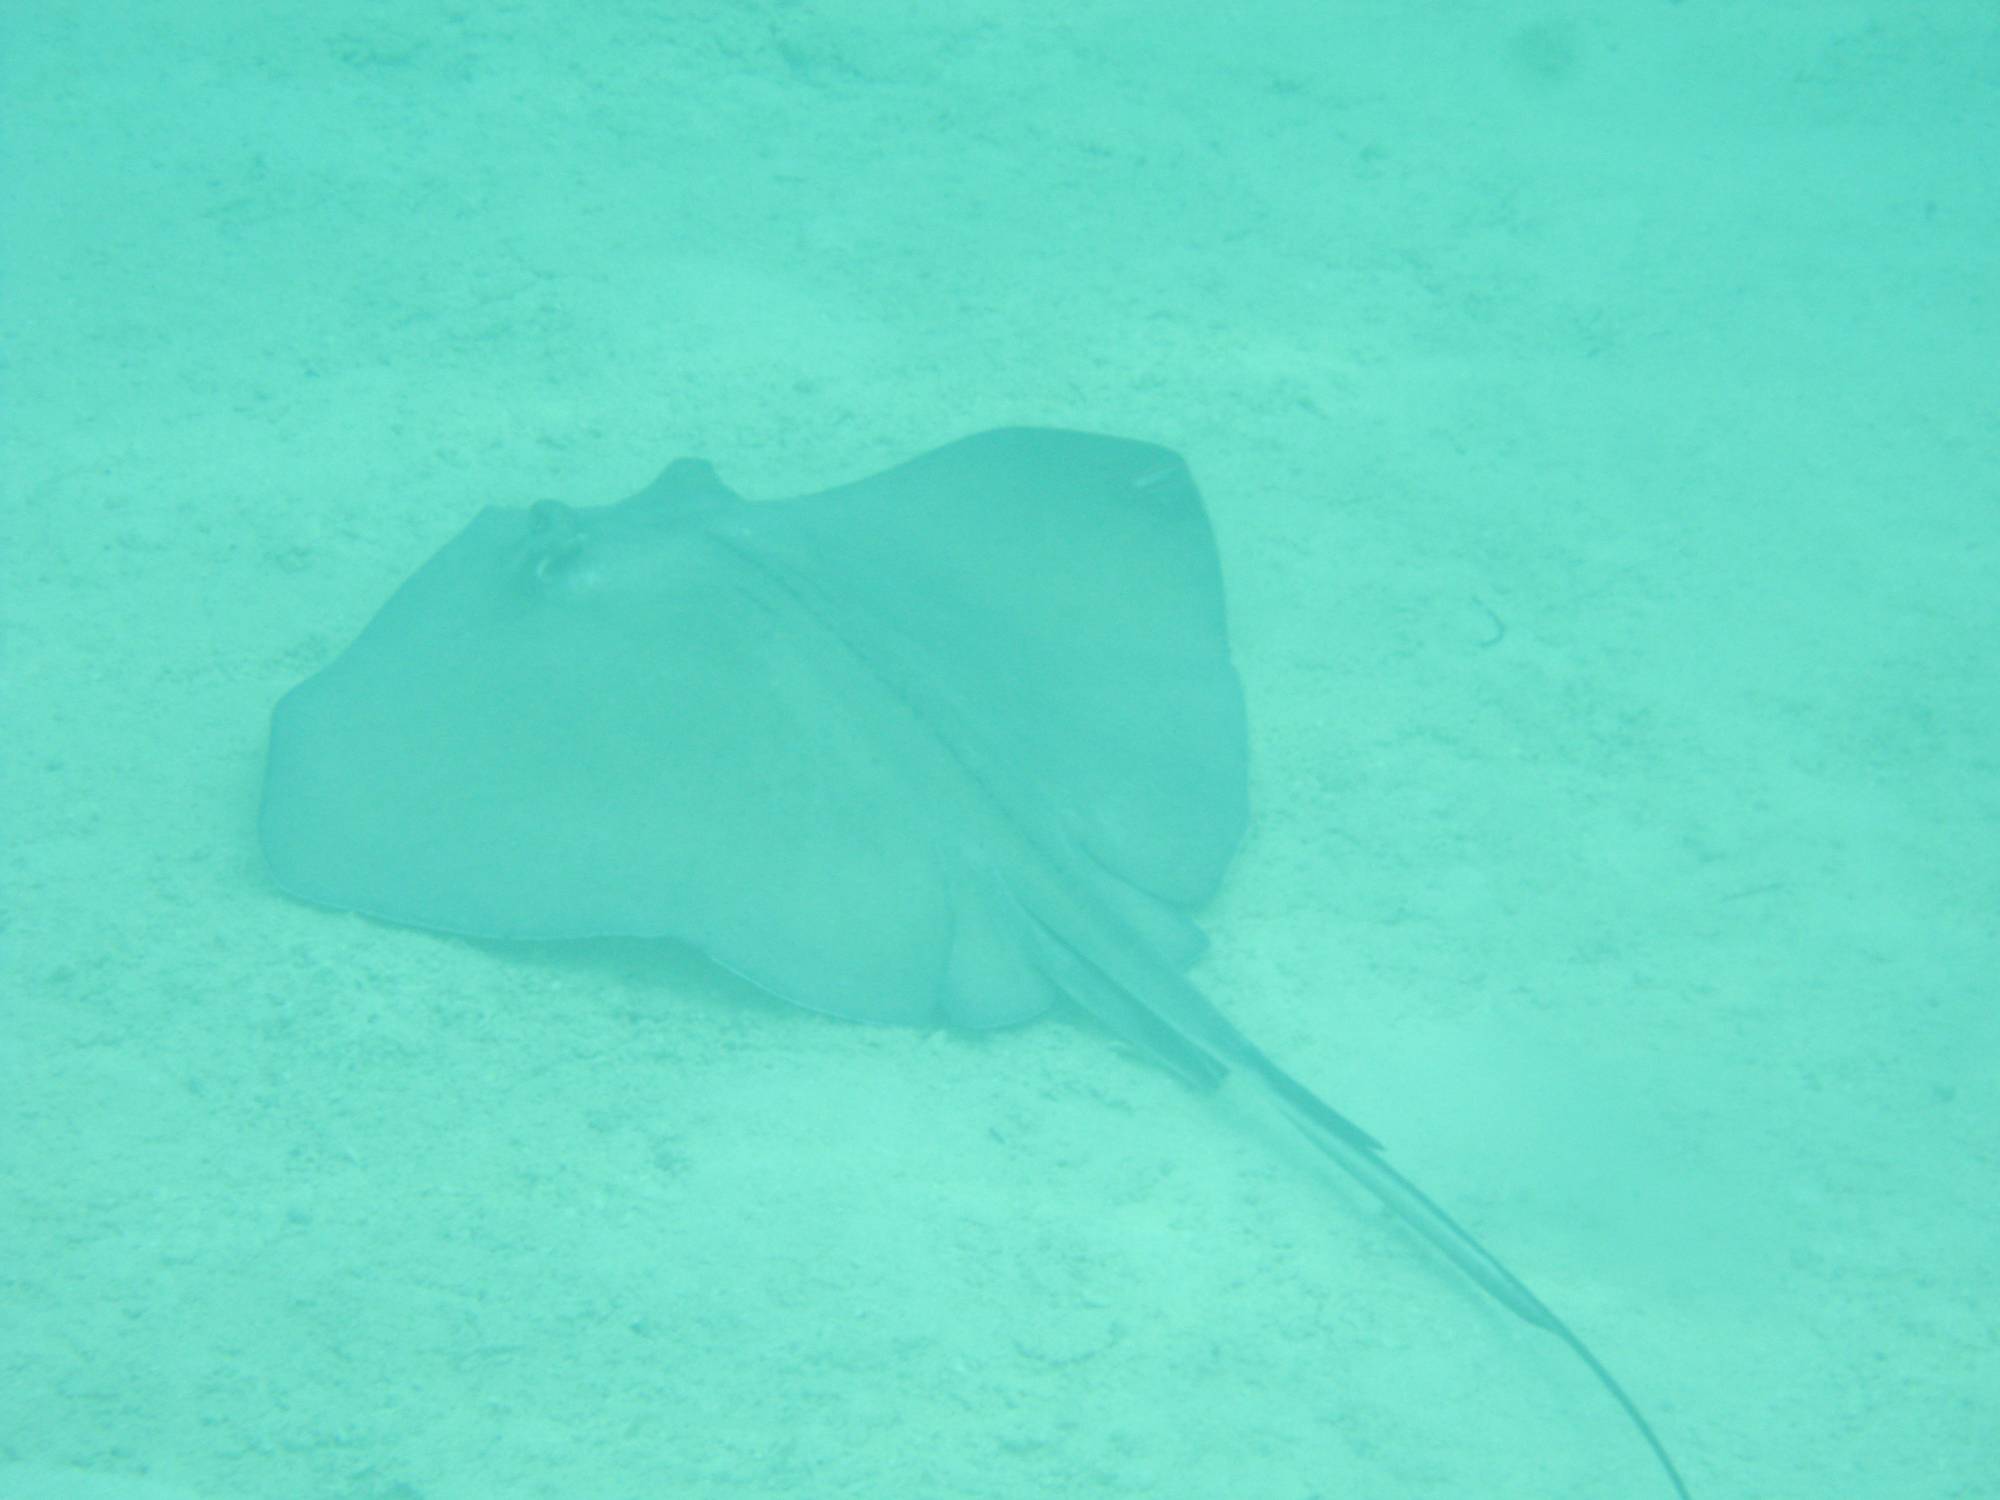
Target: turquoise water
<point>1596,416</point>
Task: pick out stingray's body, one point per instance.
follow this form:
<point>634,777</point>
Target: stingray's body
<point>956,742</point>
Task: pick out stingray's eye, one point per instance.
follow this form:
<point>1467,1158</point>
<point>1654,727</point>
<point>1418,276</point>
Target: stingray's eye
<point>555,542</point>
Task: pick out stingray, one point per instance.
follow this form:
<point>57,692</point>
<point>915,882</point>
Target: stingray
<point>955,744</point>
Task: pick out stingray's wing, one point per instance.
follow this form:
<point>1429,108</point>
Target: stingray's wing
<point>590,723</point>
<point>1060,593</point>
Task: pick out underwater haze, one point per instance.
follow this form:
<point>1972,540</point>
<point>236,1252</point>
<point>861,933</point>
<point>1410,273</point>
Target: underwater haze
<point>1594,410</point>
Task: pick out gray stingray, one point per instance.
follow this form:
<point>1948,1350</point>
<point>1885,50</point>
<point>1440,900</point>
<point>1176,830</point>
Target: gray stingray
<point>952,743</point>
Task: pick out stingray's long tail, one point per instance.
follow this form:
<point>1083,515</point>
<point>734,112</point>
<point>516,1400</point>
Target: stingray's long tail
<point>1366,1165</point>
<point>1178,1026</point>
